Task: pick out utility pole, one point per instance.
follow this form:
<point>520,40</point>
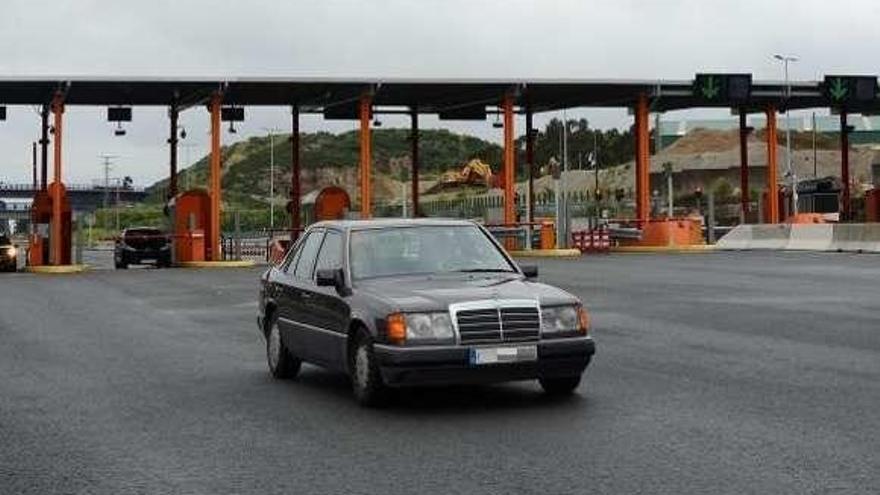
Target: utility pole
<point>108,165</point>
<point>785,59</point>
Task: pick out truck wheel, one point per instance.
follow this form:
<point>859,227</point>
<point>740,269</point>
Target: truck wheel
<point>282,364</point>
<point>560,386</point>
<point>366,379</point>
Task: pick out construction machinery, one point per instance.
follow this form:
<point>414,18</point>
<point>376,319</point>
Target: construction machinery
<point>474,172</point>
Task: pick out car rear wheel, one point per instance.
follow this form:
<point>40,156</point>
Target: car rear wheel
<point>560,386</point>
<point>282,364</point>
<point>366,379</point>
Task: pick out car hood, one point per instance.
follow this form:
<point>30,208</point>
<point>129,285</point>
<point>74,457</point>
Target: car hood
<point>436,293</point>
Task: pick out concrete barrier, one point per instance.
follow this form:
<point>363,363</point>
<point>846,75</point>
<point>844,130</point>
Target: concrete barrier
<point>856,237</point>
<point>740,237</point>
<point>770,236</point>
<point>811,237</point>
<point>864,238</point>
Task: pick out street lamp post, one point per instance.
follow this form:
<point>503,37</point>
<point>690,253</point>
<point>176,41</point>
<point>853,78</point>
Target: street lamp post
<point>271,131</point>
<point>785,59</point>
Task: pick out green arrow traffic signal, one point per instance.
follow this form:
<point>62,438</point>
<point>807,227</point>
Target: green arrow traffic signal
<point>711,87</point>
<point>838,89</point>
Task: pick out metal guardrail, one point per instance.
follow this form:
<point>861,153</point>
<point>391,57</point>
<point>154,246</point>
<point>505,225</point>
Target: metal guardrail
<point>71,187</point>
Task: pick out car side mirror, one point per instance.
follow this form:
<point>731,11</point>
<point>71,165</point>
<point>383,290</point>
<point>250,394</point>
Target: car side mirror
<point>330,277</point>
<point>530,271</point>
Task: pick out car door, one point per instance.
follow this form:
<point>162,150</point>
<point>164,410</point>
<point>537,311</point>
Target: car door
<point>278,288</point>
<point>297,278</point>
<point>328,309</point>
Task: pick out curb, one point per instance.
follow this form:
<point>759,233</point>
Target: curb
<point>697,248</point>
<point>547,253</point>
<point>56,269</point>
<point>216,264</point>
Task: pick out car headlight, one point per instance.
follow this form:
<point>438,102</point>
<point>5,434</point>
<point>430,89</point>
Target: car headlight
<point>11,251</point>
<point>429,327</point>
<point>564,319</point>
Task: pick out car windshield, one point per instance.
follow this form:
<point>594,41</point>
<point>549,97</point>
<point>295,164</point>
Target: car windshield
<point>145,232</point>
<point>423,250</point>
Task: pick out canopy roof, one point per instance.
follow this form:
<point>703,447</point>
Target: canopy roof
<point>430,96</point>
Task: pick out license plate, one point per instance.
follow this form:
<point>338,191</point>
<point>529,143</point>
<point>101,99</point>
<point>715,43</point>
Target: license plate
<point>496,355</point>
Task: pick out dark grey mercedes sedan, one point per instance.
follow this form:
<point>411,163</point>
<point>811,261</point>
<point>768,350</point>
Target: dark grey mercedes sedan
<point>418,302</point>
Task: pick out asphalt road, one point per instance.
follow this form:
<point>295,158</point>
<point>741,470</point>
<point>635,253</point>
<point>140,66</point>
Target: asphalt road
<point>716,373</point>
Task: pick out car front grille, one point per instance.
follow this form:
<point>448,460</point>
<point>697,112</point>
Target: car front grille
<point>498,324</point>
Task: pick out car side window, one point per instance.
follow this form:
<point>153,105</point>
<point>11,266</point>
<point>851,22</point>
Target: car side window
<point>295,250</point>
<point>305,262</point>
<point>331,251</point>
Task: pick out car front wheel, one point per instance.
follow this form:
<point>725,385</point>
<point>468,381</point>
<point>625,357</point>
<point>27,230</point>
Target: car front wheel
<point>282,364</point>
<point>560,386</point>
<point>366,379</point>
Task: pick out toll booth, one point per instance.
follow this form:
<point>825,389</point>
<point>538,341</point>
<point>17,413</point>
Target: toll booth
<point>41,217</point>
<point>330,203</point>
<point>783,200</point>
<point>872,196</point>
<point>190,225</point>
<point>872,205</point>
<point>819,195</point>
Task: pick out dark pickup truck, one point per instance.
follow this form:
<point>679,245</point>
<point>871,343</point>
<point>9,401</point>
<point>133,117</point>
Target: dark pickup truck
<point>142,245</point>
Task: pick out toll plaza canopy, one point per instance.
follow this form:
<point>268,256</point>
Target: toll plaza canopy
<point>431,96</point>
<point>459,99</point>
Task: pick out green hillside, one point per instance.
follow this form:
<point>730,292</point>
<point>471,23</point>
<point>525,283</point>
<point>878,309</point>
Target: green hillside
<point>246,163</point>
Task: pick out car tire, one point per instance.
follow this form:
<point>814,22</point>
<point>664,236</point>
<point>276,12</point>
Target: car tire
<point>120,265</point>
<point>366,379</point>
<point>282,364</point>
<point>560,386</point>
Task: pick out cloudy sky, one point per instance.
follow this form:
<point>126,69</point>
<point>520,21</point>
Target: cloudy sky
<point>396,38</point>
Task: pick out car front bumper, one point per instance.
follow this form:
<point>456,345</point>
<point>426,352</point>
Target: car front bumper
<point>447,365</point>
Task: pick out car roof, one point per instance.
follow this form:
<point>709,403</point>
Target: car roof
<point>392,222</point>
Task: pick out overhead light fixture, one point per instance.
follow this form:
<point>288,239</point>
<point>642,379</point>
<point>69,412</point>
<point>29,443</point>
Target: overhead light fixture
<point>119,115</point>
<point>497,124</point>
<point>232,129</point>
<point>377,122</point>
<point>182,132</point>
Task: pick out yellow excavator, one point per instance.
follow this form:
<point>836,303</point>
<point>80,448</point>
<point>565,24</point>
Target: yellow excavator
<point>474,172</point>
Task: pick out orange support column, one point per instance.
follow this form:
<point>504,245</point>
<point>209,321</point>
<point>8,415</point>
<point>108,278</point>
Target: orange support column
<point>57,191</point>
<point>509,168</point>
<point>213,243</point>
<point>643,164</point>
<point>772,203</point>
<point>366,157</point>
<point>509,162</point>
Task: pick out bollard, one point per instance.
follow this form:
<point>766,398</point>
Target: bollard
<point>548,239</point>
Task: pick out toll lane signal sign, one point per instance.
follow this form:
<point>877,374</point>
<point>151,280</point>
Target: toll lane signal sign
<point>841,90</point>
<point>723,88</point>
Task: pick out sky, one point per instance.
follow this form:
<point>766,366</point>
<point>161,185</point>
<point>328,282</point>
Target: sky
<point>671,39</point>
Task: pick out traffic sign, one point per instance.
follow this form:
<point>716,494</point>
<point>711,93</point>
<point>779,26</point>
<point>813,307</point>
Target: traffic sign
<point>722,88</point>
<point>843,90</point>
